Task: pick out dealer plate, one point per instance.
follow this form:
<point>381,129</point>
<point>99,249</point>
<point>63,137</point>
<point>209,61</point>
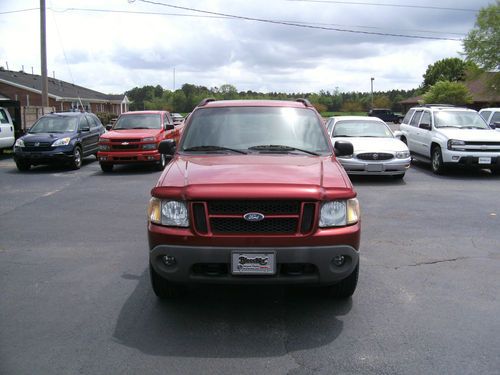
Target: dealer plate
<point>484,160</point>
<point>263,263</point>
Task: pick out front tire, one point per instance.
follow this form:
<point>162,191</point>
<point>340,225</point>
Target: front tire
<point>437,160</point>
<point>23,165</point>
<point>163,288</point>
<point>160,166</point>
<point>346,287</point>
<point>76,162</point>
<point>399,176</point>
<point>106,167</point>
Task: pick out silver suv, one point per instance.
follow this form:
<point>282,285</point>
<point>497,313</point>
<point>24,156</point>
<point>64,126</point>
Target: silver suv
<point>451,136</point>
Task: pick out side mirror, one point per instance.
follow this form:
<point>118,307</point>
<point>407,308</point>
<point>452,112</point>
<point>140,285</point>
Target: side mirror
<point>398,133</point>
<point>109,127</point>
<point>495,125</point>
<point>425,126</point>
<point>167,147</point>
<point>343,148</point>
<point>169,127</point>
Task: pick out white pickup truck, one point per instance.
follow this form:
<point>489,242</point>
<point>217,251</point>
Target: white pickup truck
<point>6,130</point>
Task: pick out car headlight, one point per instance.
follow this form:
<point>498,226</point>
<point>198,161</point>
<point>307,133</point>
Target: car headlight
<point>169,213</point>
<point>104,147</point>
<point>455,144</point>
<point>339,213</point>
<point>19,143</point>
<point>402,154</point>
<point>149,146</point>
<point>148,139</point>
<point>61,142</point>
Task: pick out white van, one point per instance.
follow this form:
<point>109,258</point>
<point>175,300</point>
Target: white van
<point>6,130</point>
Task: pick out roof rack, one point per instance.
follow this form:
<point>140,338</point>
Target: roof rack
<point>205,101</point>
<point>304,101</point>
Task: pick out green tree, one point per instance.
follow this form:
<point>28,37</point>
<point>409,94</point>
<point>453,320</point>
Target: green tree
<point>482,44</point>
<point>228,92</point>
<point>450,69</point>
<point>179,101</point>
<point>352,106</point>
<point>448,93</point>
<point>382,101</point>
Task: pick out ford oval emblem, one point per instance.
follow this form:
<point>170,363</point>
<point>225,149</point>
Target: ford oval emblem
<point>253,216</point>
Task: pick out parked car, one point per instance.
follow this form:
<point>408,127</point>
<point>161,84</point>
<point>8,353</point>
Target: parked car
<point>7,137</point>
<point>177,118</point>
<point>63,138</point>
<point>491,116</point>
<point>377,150</point>
<point>134,138</point>
<point>254,195</point>
<point>385,114</point>
<point>451,136</point>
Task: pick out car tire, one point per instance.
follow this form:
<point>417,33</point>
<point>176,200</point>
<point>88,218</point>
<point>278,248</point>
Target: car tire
<point>160,166</point>
<point>76,161</point>
<point>437,164</point>
<point>495,171</point>
<point>399,176</point>
<point>345,288</point>
<point>23,165</point>
<point>106,167</point>
<point>163,288</point>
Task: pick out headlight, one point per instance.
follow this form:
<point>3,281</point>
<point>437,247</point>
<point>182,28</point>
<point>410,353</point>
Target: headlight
<point>339,213</point>
<point>402,154</point>
<point>169,213</point>
<point>104,147</point>
<point>19,143</point>
<point>61,142</point>
<point>148,139</point>
<point>453,143</point>
<point>149,146</point>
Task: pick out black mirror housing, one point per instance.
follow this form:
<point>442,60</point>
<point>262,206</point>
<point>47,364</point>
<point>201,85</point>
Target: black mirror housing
<point>109,127</point>
<point>167,147</point>
<point>343,148</point>
<point>169,127</point>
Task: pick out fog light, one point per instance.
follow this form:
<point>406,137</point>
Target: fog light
<point>103,158</point>
<point>455,157</point>
<point>338,260</point>
<point>169,260</point>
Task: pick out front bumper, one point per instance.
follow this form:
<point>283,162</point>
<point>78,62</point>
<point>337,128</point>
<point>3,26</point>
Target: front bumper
<point>355,166</point>
<point>57,155</point>
<point>471,159</point>
<point>294,265</point>
<point>129,157</point>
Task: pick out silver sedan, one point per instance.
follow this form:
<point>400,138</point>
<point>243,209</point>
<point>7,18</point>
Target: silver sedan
<point>377,150</point>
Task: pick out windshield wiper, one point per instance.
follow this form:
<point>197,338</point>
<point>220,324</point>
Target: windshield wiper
<point>213,148</point>
<point>279,148</point>
<point>343,135</point>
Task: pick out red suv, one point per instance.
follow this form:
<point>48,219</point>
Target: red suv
<point>254,195</point>
<point>134,138</point>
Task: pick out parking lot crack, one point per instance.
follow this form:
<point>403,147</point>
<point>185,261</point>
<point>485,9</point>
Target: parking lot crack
<point>433,262</point>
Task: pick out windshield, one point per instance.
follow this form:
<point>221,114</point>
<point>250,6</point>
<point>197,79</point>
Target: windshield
<point>138,121</point>
<point>260,129</point>
<point>361,128</point>
<point>55,124</point>
<point>459,119</point>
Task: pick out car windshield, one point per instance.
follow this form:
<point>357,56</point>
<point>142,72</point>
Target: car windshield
<point>138,121</point>
<point>260,129</point>
<point>55,124</point>
<point>361,128</point>
<point>459,119</point>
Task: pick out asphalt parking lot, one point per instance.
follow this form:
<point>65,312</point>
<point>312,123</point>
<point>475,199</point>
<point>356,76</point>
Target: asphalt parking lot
<point>75,295</point>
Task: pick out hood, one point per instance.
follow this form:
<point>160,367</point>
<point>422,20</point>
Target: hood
<point>253,176</point>
<point>471,135</point>
<point>46,137</point>
<point>365,144</point>
<point>131,133</point>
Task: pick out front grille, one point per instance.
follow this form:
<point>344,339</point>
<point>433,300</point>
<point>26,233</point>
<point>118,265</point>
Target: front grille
<point>227,217</point>
<point>125,140</point>
<point>124,147</point>
<point>375,156</point>
<point>271,226</point>
<point>37,144</point>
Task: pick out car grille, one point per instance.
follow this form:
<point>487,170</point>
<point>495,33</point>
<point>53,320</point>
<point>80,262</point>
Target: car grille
<point>37,146</point>
<point>280,217</point>
<point>481,146</point>
<point>375,156</point>
<point>124,147</point>
<point>125,144</point>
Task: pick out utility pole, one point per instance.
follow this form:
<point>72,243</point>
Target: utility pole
<point>174,79</point>
<point>372,79</point>
<point>43,54</point>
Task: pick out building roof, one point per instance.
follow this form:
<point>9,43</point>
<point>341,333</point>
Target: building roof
<point>58,89</point>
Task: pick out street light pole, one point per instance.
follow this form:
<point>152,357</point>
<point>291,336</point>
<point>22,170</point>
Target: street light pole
<point>43,53</point>
<point>372,79</point>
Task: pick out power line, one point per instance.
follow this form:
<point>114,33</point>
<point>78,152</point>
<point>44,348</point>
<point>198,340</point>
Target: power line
<point>294,24</point>
<point>387,5</point>
<point>19,11</point>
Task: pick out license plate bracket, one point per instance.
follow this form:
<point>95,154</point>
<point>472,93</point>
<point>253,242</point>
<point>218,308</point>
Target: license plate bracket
<point>253,263</point>
<point>374,167</point>
<point>484,160</point>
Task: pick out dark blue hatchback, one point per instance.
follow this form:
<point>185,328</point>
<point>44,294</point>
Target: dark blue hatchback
<point>63,138</point>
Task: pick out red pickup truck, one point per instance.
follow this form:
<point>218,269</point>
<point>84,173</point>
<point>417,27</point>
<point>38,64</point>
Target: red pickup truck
<point>254,195</point>
<point>134,138</point>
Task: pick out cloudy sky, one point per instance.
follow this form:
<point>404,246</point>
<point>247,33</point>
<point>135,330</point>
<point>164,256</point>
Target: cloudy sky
<point>297,46</point>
